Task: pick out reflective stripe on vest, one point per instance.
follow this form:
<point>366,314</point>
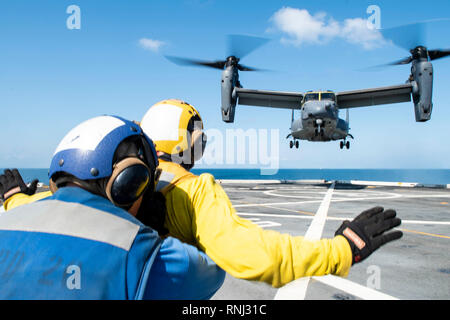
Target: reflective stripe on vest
<point>171,175</point>
<point>164,182</point>
<point>71,219</point>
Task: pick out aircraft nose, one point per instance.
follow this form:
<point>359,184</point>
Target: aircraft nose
<point>321,111</point>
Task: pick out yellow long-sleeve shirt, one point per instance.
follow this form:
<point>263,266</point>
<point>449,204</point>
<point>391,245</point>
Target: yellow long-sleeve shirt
<point>200,213</point>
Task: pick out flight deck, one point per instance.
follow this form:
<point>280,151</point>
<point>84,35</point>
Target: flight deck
<point>417,266</point>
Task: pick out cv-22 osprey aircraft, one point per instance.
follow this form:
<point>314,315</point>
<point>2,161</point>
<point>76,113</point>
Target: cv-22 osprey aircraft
<point>319,110</point>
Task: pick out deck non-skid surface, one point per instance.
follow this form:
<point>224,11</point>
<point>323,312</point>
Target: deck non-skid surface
<point>415,267</point>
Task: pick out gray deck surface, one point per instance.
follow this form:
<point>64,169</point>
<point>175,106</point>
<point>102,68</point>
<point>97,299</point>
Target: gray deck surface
<point>415,267</point>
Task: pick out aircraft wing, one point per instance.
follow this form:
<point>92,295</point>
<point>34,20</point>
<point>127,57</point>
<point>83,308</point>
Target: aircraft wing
<point>374,96</point>
<point>272,99</point>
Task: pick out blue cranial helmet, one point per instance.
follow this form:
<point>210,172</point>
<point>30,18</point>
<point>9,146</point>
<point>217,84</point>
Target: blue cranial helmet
<point>89,152</point>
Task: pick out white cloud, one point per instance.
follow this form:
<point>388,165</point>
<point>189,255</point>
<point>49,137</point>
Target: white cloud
<point>301,27</point>
<point>150,44</point>
<point>356,31</point>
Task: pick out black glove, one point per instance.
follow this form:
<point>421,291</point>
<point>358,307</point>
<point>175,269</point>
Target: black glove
<point>152,212</point>
<point>366,233</point>
<point>11,182</point>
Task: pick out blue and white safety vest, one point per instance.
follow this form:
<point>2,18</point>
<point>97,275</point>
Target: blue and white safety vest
<point>77,245</point>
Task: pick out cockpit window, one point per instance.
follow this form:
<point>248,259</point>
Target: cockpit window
<point>311,97</point>
<point>328,96</point>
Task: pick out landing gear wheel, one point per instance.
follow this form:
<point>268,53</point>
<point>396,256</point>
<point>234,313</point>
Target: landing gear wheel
<point>297,144</point>
<point>291,144</point>
<point>341,145</point>
<point>347,145</point>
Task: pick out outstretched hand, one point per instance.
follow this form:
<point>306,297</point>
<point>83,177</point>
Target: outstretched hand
<point>367,232</point>
<point>11,182</point>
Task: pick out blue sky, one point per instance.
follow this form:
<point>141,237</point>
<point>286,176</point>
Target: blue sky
<point>52,78</point>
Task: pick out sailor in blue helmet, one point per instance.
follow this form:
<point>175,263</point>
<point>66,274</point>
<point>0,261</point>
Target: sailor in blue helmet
<point>84,241</point>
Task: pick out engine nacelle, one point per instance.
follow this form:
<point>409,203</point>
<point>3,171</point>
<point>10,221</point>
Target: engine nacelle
<point>422,73</point>
<point>230,79</point>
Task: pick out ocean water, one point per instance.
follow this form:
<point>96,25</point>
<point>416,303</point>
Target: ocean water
<point>423,176</point>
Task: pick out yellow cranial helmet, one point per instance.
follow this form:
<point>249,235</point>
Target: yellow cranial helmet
<point>174,126</point>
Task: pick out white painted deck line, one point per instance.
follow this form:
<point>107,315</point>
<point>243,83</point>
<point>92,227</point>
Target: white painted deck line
<point>296,290</point>
<point>353,288</point>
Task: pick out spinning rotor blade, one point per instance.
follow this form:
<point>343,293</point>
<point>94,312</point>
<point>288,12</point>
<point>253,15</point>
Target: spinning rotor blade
<point>239,45</point>
<point>383,66</point>
<point>184,61</point>
<point>433,54</point>
<point>410,37</point>
<point>438,54</point>
<point>245,68</point>
<point>400,62</point>
<point>407,36</point>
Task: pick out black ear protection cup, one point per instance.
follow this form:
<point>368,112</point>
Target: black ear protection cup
<point>129,180</point>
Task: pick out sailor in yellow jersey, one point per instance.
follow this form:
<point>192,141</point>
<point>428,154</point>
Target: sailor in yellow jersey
<point>200,213</point>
